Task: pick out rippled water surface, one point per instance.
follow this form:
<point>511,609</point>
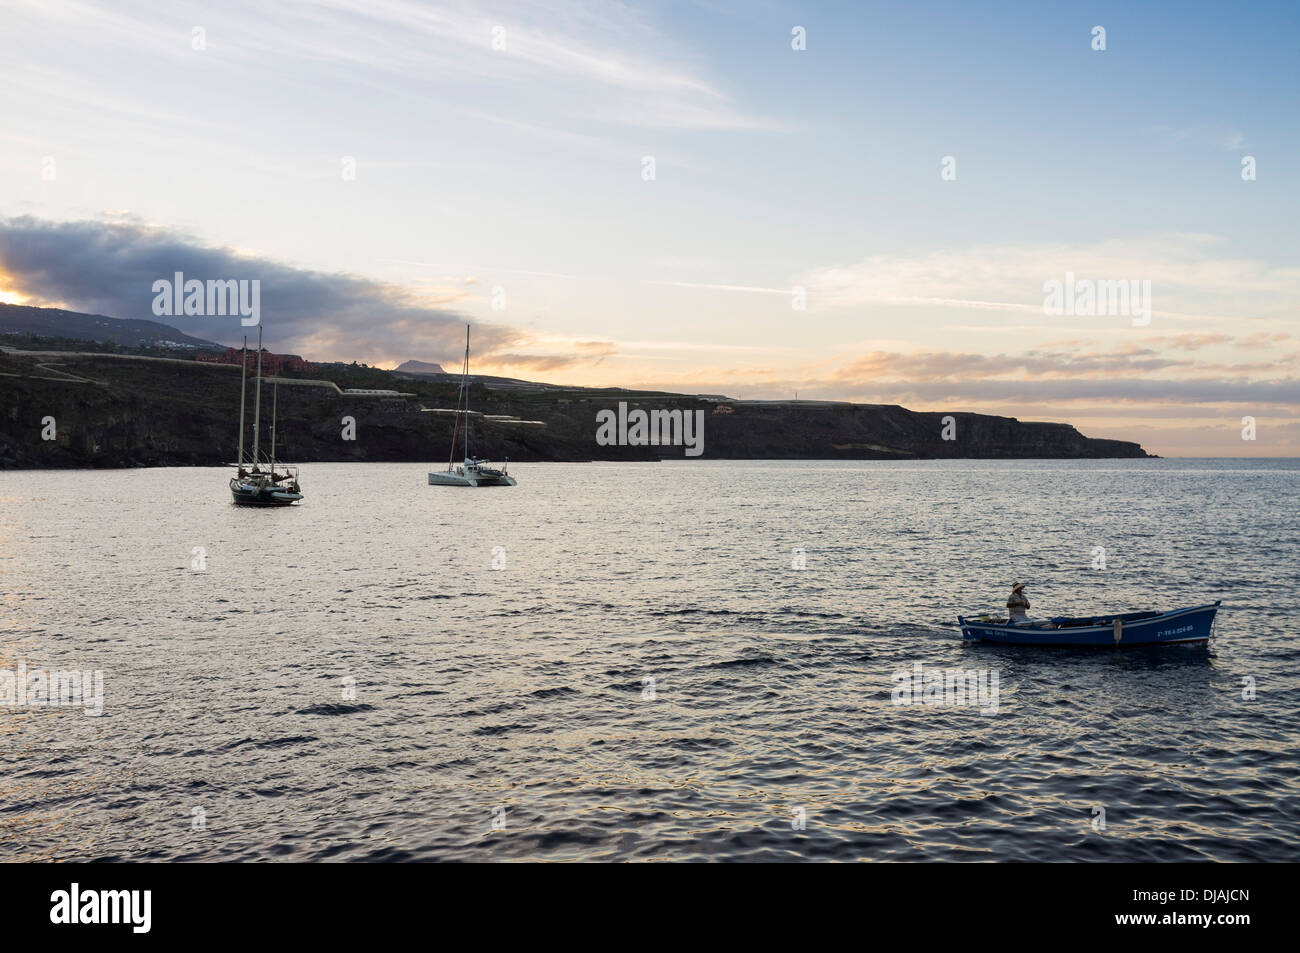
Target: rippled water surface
<point>646,676</point>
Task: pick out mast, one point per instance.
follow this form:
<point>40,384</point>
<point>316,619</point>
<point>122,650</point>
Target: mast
<point>257,410</point>
<point>465,384</point>
<point>275,394</point>
<point>243,389</point>
<point>462,396</point>
<point>455,426</point>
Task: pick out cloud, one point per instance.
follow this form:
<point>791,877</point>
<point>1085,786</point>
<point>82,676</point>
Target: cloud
<point>1133,390</point>
<point>948,365</point>
<point>1118,363</point>
<point>1262,340</point>
<point>1053,399</point>
<point>540,362</point>
<point>581,354</point>
<point>606,62</point>
<point>1185,271</point>
<point>1205,135</point>
<point>109,267</point>
<point>1127,374</point>
<point>1190,342</point>
<point>1131,380</point>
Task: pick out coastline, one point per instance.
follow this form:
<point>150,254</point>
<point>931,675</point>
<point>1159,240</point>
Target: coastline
<point>113,411</point>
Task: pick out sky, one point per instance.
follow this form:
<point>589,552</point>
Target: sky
<point>672,196</point>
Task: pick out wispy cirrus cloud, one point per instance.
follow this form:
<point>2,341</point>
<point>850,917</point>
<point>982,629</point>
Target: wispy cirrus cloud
<point>1189,275</point>
<point>1146,373</point>
<point>577,61</point>
<point>1205,135</point>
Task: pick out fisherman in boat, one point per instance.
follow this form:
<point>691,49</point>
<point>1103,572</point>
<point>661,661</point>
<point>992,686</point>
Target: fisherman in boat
<point>1018,605</point>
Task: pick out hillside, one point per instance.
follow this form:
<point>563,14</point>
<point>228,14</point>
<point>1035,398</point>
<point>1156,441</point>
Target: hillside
<point>128,332</point>
<point>132,410</point>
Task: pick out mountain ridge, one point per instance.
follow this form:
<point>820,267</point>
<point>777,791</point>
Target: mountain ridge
<point>127,409</point>
<point>418,367</point>
<point>81,326</point>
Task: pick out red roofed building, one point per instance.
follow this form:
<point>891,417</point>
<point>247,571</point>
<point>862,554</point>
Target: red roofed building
<point>271,363</point>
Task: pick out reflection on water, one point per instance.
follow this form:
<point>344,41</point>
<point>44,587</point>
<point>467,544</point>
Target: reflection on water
<point>648,676</point>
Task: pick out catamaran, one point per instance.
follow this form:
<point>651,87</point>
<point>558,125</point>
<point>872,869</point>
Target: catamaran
<point>254,485</point>
<point>471,471</point>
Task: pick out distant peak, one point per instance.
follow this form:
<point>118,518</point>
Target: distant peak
<point>419,367</point>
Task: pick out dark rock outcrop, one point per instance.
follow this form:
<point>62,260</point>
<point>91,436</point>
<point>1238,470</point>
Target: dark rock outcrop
<point>122,411</point>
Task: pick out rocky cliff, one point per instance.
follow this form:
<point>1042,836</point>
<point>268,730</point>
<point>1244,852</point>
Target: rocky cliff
<point>122,411</point>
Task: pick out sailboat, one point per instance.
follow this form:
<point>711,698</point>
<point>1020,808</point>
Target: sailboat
<point>471,471</point>
<point>254,485</point>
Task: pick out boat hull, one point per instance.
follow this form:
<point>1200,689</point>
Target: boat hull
<point>245,495</point>
<point>466,476</point>
<point>1118,631</point>
<point>451,479</point>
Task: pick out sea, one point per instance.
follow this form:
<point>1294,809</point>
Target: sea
<point>687,660</point>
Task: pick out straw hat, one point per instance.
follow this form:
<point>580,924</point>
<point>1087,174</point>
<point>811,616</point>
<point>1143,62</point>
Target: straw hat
<point>1017,587</point>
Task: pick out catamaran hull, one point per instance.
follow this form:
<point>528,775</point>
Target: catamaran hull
<point>1169,628</point>
<point>260,496</point>
<point>454,479</point>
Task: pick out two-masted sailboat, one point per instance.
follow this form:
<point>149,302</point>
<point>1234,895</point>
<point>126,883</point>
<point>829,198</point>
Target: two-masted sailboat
<point>254,484</point>
<point>471,471</point>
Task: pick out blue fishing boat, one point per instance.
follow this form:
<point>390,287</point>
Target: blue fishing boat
<point>1130,628</point>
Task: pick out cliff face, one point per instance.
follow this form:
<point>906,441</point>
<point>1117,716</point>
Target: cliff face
<point>890,432</point>
<point>122,412</point>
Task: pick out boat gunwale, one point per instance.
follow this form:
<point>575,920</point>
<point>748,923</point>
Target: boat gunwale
<point>965,623</point>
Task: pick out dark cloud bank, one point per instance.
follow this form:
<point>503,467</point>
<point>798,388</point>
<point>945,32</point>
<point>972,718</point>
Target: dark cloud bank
<point>109,267</point>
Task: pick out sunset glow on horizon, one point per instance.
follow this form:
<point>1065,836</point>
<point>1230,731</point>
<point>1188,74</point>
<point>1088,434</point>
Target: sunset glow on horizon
<point>683,199</point>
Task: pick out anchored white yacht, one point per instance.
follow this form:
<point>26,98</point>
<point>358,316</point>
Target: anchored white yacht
<point>255,485</point>
<point>470,471</point>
